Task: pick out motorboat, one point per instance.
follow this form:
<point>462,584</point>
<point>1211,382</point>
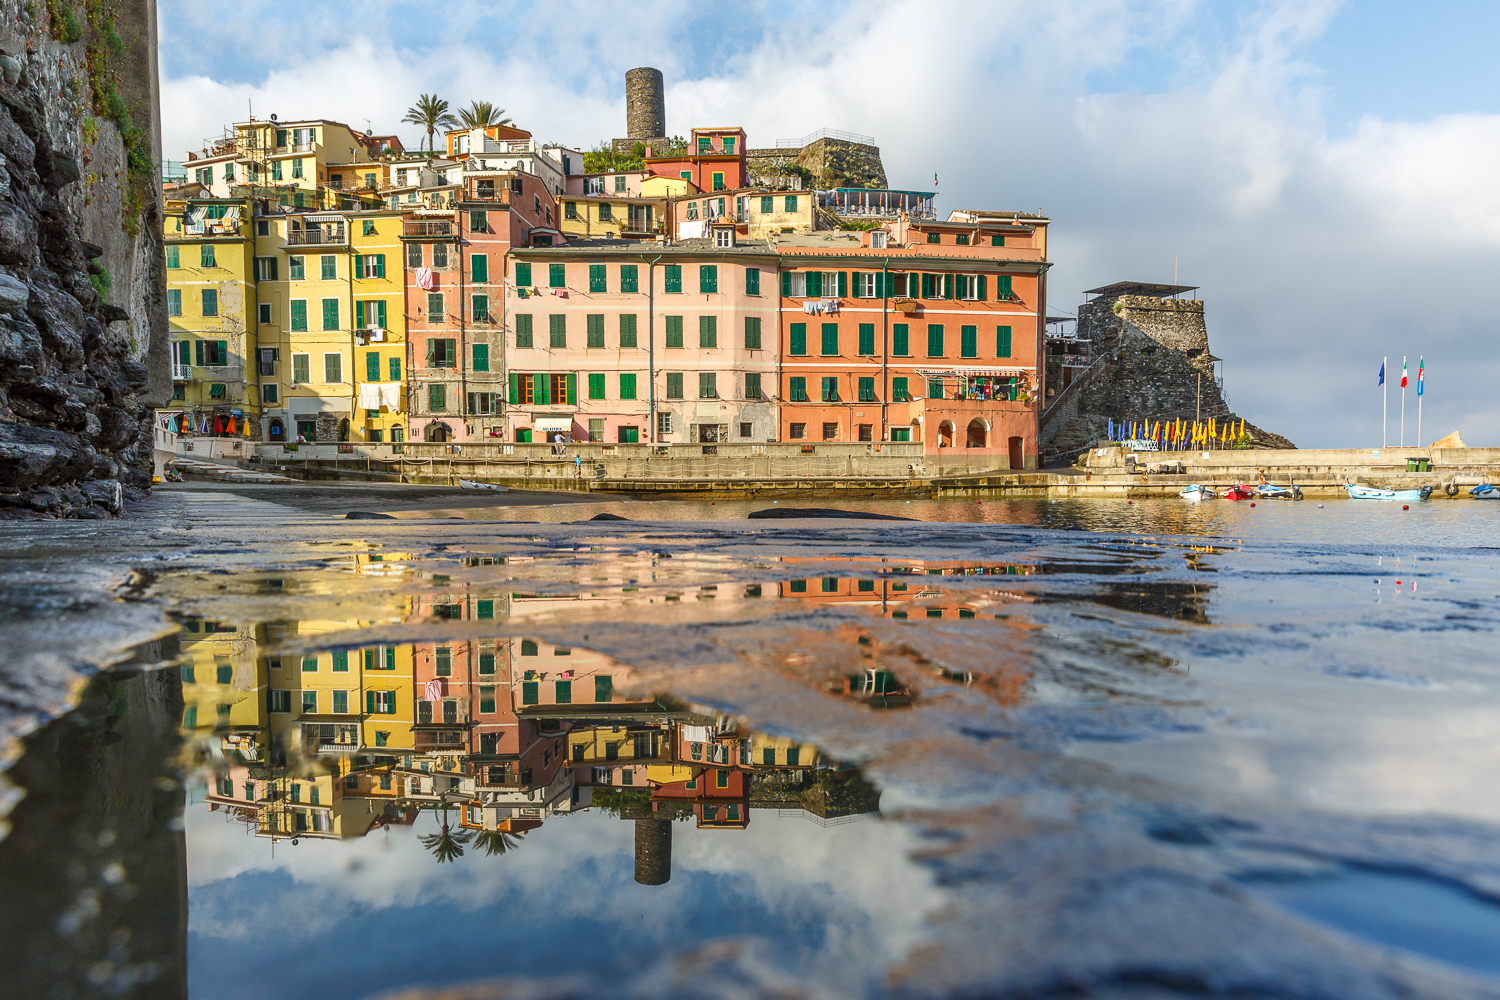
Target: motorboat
<point>1271,491</point>
<point>1239,492</point>
<point>1484,491</point>
<point>1357,492</point>
<point>1197,492</point>
<point>471,484</point>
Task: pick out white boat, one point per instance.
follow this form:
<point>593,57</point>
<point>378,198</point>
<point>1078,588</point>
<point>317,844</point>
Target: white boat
<point>1197,492</point>
<point>1371,493</point>
<point>1484,491</point>
<point>470,484</point>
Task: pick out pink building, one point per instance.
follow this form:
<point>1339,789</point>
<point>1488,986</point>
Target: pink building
<point>623,341</point>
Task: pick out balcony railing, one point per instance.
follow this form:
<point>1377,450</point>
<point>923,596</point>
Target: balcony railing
<point>297,147</point>
<point>327,234</point>
<point>427,229</point>
<point>438,738</point>
<point>1072,360</point>
<point>330,737</point>
<point>181,372</point>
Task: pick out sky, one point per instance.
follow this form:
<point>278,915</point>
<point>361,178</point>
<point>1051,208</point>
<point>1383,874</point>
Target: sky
<point>1323,171</point>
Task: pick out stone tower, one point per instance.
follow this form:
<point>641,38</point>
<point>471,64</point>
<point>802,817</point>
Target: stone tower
<point>645,104</point>
<point>653,843</point>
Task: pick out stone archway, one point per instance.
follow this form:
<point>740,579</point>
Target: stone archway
<point>978,433</point>
<point>437,432</point>
<point>945,434</point>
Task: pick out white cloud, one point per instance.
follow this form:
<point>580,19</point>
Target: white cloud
<point>1316,255</point>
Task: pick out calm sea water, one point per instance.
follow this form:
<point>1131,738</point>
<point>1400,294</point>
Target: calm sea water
<point>1011,748</point>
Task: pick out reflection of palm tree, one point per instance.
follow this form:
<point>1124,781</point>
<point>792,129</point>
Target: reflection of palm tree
<point>496,842</point>
<point>446,845</point>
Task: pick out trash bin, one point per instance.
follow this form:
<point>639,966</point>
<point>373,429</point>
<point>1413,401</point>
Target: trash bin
<point>1416,465</point>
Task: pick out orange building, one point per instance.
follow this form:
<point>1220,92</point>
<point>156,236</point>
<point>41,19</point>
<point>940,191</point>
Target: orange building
<point>713,161</point>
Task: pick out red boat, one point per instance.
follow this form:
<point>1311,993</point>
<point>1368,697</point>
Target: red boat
<point>1240,492</point>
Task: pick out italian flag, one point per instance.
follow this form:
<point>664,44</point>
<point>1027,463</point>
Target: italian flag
<point>1403,373</point>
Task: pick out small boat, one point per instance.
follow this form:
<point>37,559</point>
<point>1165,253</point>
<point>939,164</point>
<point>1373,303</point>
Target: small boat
<point>1484,491</point>
<point>1273,492</point>
<point>470,484</point>
<point>1371,493</point>
<point>1239,492</point>
<point>1197,492</point>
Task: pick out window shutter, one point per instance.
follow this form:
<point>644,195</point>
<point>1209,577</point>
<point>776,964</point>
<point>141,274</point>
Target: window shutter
<point>223,352</point>
<point>523,274</point>
<point>1002,287</point>
<point>856,284</point>
<point>572,389</point>
<point>541,389</point>
<point>786,284</point>
<point>199,353</point>
<point>184,353</point>
<point>1002,341</point>
<point>815,284</point>
<point>926,286</point>
<point>799,338</point>
<point>379,259</point>
<point>479,267</point>
<point>880,284</point>
<point>843,284</point>
<point>359,265</point>
<point>947,286</point>
<point>372,366</point>
<point>359,315</point>
<point>982,291</point>
<point>380,309</point>
<point>515,388</point>
<point>481,357</point>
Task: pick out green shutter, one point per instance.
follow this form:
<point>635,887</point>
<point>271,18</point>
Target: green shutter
<point>799,338</point>
<point>708,278</point>
<point>901,340</point>
<point>596,386</point>
<point>598,282</point>
<point>947,286</point>
<point>369,702</point>
<point>708,331</point>
<point>199,353</point>
<point>572,389</point>
<point>627,385</point>
<point>899,391</point>
<point>983,294</point>
<point>752,281</point>
<point>934,340</point>
<point>1002,341</point>
<point>968,341</point>
<point>627,330</point>
<point>830,339</point>
<point>359,315</point>
<point>479,269</point>
<point>359,266</point>
<point>674,331</point>
<point>629,280</point>
<point>223,352</point>
<point>557,330</point>
<point>523,330</point>
<point>395,369</point>
<point>673,277</point>
<point>541,389</point>
<point>557,275</point>
<point>786,284</point>
<point>523,274</point>
<point>372,366</point>
<point>515,388</point>
<point>481,357</point>
<point>814,284</point>
<point>843,284</point>
<point>595,329</point>
<point>867,338</point>
<point>1002,287</point>
<point>880,284</point>
<point>856,285</point>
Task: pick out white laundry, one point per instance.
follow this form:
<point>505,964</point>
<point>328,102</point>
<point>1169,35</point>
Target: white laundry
<point>369,397</point>
<point>425,279</point>
<point>434,690</point>
<point>697,734</point>
<point>390,396</point>
<point>690,230</point>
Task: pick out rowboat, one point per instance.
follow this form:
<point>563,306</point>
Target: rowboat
<point>1371,493</point>
<point>1273,492</point>
<point>1484,491</point>
<point>1197,492</point>
<point>1239,492</point>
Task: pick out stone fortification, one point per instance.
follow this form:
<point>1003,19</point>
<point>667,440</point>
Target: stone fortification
<point>645,104</point>
<point>83,332</point>
<point>833,163</point>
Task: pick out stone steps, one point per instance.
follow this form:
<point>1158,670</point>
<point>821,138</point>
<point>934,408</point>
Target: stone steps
<point>225,473</point>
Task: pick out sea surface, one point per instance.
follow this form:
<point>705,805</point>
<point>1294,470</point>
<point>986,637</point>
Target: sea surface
<point>1074,748</point>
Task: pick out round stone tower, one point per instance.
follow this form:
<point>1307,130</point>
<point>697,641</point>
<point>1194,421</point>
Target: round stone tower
<point>653,843</point>
<point>645,104</point>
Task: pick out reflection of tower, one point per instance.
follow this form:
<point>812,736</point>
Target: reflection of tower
<point>645,104</point>
<point>653,851</point>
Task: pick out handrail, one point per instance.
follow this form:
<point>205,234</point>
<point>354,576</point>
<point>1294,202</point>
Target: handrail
<point>1070,387</point>
<point>825,133</point>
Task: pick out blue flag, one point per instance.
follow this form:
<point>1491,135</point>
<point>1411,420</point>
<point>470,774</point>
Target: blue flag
<point>1382,374</point>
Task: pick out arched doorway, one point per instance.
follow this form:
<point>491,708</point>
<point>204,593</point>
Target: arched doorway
<point>945,434</point>
<point>437,432</point>
<point>1017,459</point>
<point>344,429</point>
<point>979,433</point>
<point>278,430</point>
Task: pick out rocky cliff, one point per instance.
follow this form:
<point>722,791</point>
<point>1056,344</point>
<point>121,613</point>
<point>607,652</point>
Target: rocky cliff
<point>83,333</point>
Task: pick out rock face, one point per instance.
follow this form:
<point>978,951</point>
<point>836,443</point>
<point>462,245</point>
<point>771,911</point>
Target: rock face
<point>82,318</point>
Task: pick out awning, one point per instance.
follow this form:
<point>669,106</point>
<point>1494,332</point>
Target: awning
<point>317,404</point>
<point>552,423</point>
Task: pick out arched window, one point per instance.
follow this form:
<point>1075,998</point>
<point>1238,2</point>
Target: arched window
<point>978,433</point>
<point>344,429</point>
<point>278,429</point>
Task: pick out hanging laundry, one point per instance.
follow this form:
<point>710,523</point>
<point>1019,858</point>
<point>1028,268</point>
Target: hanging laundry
<point>390,396</point>
<point>433,691</point>
<point>425,279</point>
<point>369,396</point>
<point>697,734</point>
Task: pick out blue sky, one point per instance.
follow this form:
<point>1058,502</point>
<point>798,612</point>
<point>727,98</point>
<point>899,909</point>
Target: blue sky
<point>1323,170</point>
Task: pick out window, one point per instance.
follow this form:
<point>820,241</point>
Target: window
<point>479,222</point>
<point>672,277</point>
<point>1002,287</point>
<point>297,168</point>
<point>968,341</point>
<point>395,373</point>
<point>372,366</point>
<point>442,657</point>
<point>867,431</point>
<point>570,210</point>
<point>523,274</point>
<point>329,267</point>
<point>596,386</point>
<point>962,239</point>
<point>487,700</point>
<point>206,255</point>
<point>380,703</point>
<point>791,203</point>
<point>798,337</point>
<point>435,310</point>
<point>437,397</point>
<point>723,238</point>
<point>899,392</point>
<point>752,281</point>
<point>627,330</point>
<point>330,314</point>
<point>877,239</point>
<point>309,705</point>
<point>934,340</point>
<point>557,275</point>
<point>281,701</point>
<point>1002,341</point>
<point>564,692</point>
<point>523,330</point>
<point>174,257</point>
<point>218,390</point>
<point>440,255</point>
<point>797,431</point>
<point>934,388</point>
<point>663,424</point>
<point>797,389</point>
<point>708,332</point>
<point>830,339</point>
<point>674,331</point>
<point>629,276</point>
<point>866,339</point>
<point>597,280</point>
<point>174,302</point>
<point>901,340</point>
<point>997,241</point>
<point>830,431</point>
<point>627,385</point>
<point>301,368</point>
<point>830,389</point>
<point>557,330</point>
<point>752,333</point>
<point>718,181</point>
<point>333,368</point>
<point>708,385</point>
<point>864,285</point>
<point>900,433</point>
<point>269,393</point>
<point>263,311</point>
<point>210,302</point>
<point>605,214</point>
<point>341,703</point>
<point>747,429</point>
<point>481,358</point>
<point>674,385</point>
<point>752,388</point>
<point>867,390</point>
<point>480,305</point>
<point>528,647</point>
<point>967,286</point>
<point>595,330</point>
<point>934,238</point>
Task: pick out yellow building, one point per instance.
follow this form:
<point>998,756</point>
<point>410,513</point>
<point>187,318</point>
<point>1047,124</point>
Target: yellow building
<point>314,164</point>
<point>657,186</point>
<point>610,215</point>
<point>223,680</point>
<point>211,305</point>
<point>379,373</point>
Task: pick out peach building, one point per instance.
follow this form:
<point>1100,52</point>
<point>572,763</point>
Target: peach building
<point>620,341</point>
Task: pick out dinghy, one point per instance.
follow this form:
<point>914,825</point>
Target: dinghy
<point>1239,492</point>
<point>1371,493</point>
<point>470,484</point>
<point>1484,491</point>
<point>1197,492</point>
<point>1273,492</point>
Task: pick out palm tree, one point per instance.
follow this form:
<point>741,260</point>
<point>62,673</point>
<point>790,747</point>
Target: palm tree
<point>496,842</point>
<point>430,112</point>
<point>481,113</point>
<point>446,845</point>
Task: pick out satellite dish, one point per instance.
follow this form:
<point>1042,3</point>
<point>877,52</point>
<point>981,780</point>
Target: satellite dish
<point>273,118</point>
<point>369,131</point>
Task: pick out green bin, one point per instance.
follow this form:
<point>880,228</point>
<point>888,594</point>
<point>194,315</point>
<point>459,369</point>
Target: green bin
<point>1416,465</point>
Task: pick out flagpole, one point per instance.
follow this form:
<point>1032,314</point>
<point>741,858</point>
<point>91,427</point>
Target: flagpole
<point>1385,396</point>
<point>1403,401</point>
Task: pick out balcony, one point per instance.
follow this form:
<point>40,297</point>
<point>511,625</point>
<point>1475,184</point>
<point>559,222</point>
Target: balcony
<point>427,229</point>
<point>181,372</point>
<point>296,147</point>
<point>330,737</point>
<point>455,738</point>
<point>319,234</point>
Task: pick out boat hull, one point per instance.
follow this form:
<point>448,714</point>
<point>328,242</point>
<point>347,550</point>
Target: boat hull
<point>1485,492</point>
<point>1370,493</point>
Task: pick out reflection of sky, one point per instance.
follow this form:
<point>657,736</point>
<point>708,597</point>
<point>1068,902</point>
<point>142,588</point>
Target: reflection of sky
<point>328,919</point>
